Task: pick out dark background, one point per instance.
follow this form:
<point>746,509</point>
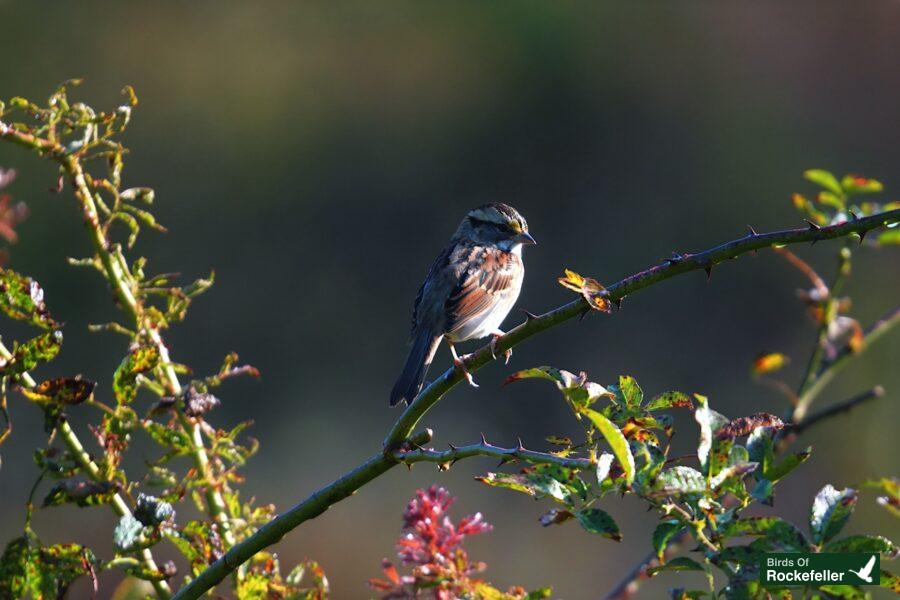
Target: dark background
<point>318,156</point>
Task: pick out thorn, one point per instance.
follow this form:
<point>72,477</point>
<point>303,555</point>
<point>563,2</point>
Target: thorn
<point>452,447</point>
<point>521,446</point>
<point>854,215</point>
<point>528,315</point>
<point>484,440</point>
<point>708,270</point>
<point>862,236</point>
<point>583,314</point>
<point>618,302</point>
<point>813,243</point>
<point>812,226</point>
<point>452,462</point>
<point>503,461</point>
<point>752,231</point>
<point>408,466</point>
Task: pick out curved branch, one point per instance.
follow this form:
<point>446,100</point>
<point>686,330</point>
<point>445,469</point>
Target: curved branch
<point>343,487</point>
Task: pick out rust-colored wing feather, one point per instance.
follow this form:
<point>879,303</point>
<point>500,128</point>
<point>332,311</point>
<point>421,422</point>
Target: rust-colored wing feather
<point>489,275</point>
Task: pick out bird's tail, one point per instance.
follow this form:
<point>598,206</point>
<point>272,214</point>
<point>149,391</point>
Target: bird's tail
<point>420,356</point>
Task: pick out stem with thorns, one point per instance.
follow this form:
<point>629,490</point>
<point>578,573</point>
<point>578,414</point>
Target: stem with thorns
<point>346,485</point>
<point>118,504</point>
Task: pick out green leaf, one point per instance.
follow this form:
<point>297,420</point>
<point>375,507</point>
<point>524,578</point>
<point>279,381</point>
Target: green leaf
<point>679,479</point>
<point>889,237</point>
<point>30,354</point>
<point>598,521</point>
<point>22,299</point>
<point>579,392</point>
<point>663,533</point>
<point>631,391</point>
<point>824,179</point>
<point>683,594</point>
<point>890,581</point>
<point>760,448</point>
<point>670,400</point>
<point>733,472</point>
<point>616,441</point>
<point>864,544</point>
<point>764,492</point>
<point>787,464</point>
<point>127,533</point>
<point>777,532</point>
<point>681,563</point>
<point>830,511</point>
<point>712,451</point>
<point>29,570</point>
<point>140,360</point>
<point>535,485</point>
<point>857,184</point>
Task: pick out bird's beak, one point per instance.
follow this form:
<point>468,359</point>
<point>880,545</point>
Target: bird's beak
<point>524,238</point>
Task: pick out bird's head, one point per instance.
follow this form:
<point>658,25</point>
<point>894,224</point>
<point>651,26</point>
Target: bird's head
<point>495,224</point>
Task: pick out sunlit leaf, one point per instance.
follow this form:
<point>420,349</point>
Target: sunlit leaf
<point>535,485</point>
<point>824,179</point>
<point>631,391</point>
<point>769,362</point>
<point>830,511</point>
<point>857,184</point>
<point>616,441</point>
<point>590,289</point>
<point>889,237</point>
<point>865,544</point>
<point>598,521</point>
<point>29,354</point>
<point>890,581</point>
<point>890,486</point>
<point>712,450</point>
<point>778,533</point>
<point>142,359</point>
<point>733,471</point>
<point>604,462</point>
<point>670,400</point>
<point>580,392</point>
<point>65,390</point>
<point>787,464</point>
<point>30,570</point>
<point>680,563</point>
<point>21,298</point>
<point>679,479</point>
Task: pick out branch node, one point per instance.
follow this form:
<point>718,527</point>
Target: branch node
<point>812,226</point>
<point>529,316</point>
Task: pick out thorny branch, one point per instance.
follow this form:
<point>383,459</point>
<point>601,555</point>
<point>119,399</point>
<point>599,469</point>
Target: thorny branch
<point>346,485</point>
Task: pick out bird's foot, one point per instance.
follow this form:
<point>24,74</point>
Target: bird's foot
<point>459,363</point>
<point>495,339</point>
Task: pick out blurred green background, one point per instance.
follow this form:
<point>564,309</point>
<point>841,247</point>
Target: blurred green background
<point>317,156</point>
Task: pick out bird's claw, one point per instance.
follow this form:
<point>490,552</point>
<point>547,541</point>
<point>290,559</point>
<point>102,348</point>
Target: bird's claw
<point>507,354</point>
<point>460,364</point>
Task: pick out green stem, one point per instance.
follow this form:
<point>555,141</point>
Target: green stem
<point>829,369</point>
<point>90,468</point>
<point>346,485</point>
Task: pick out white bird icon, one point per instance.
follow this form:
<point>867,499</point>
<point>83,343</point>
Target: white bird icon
<point>866,572</point>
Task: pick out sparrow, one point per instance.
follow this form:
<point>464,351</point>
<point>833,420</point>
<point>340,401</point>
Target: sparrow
<point>469,290</point>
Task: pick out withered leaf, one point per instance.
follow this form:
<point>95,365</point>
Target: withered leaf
<point>66,390</point>
<point>744,425</point>
<point>591,290</point>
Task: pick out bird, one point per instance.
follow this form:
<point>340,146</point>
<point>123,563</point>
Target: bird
<point>866,572</point>
<point>468,292</point>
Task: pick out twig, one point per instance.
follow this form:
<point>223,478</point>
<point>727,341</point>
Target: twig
<point>118,504</point>
<point>829,369</point>
<point>448,457</point>
<point>831,411</point>
<point>318,502</point>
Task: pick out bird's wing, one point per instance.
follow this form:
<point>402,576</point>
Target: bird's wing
<point>488,274</point>
<point>439,270</point>
<point>867,570</point>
